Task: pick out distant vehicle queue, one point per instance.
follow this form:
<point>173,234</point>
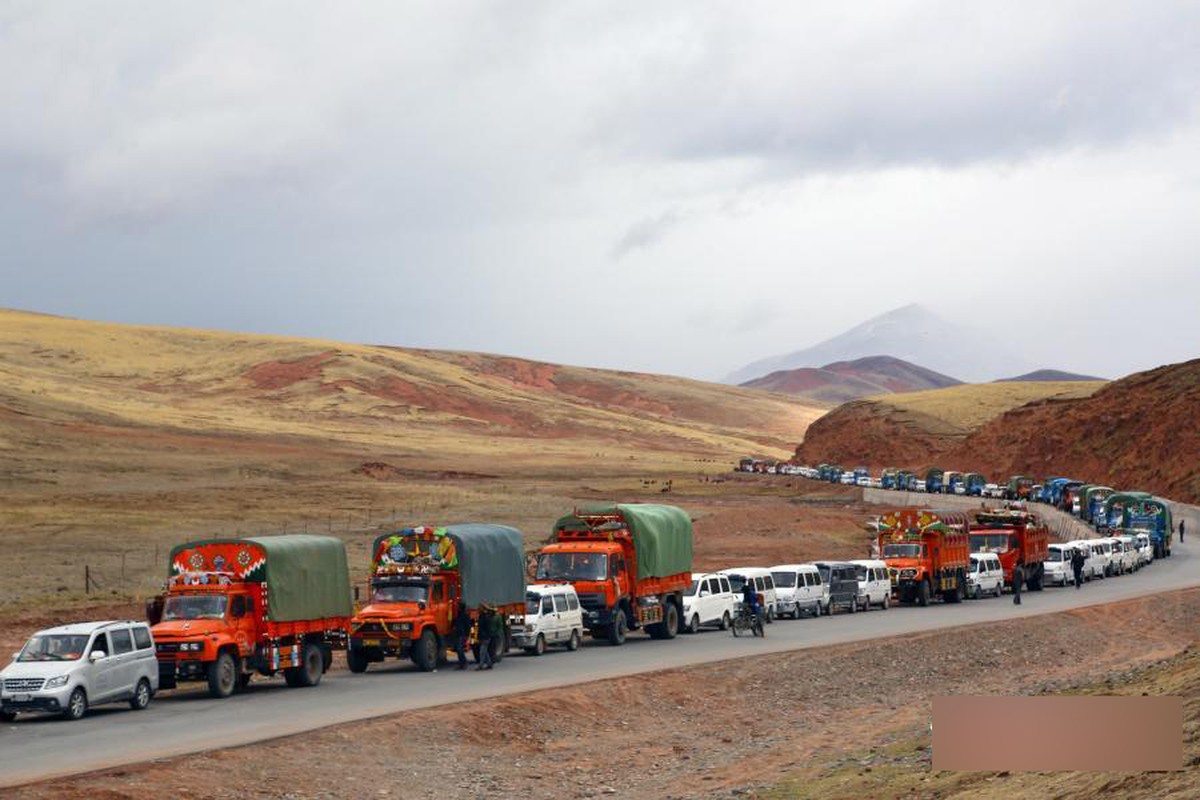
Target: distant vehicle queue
<point>1104,508</point>
<point>282,605</point>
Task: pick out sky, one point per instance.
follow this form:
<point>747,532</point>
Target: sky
<point>674,187</point>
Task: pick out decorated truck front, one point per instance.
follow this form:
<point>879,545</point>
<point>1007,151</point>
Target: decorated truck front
<point>419,575</point>
<point>1138,512</point>
<point>630,565</point>
<point>927,554</point>
<point>262,605</point>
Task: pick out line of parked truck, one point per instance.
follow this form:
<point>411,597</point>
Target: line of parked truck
<point>282,605</point>
<point>1104,508</point>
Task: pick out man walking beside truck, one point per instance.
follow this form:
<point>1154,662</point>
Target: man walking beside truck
<point>1017,581</point>
<point>1077,562</point>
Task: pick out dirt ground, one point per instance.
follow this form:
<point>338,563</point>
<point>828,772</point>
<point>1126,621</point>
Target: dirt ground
<point>816,723</point>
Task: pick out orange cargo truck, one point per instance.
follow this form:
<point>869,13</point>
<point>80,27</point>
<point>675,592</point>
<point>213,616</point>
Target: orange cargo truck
<point>235,607</point>
<point>418,575</point>
<point>927,554</point>
<point>630,565</point>
<point>1017,537</point>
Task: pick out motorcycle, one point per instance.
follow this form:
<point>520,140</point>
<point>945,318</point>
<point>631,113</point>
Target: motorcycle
<point>746,620</point>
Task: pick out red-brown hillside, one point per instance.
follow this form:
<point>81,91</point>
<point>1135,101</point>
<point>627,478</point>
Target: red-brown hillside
<point>1141,432</point>
<point>849,380</point>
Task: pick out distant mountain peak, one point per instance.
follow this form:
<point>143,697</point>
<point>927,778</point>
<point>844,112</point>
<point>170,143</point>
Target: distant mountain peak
<point>911,333</point>
<point>1050,375</point>
<point>840,381</point>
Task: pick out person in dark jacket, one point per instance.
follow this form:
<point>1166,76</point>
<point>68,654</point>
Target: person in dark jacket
<point>1077,562</point>
<point>750,600</point>
<point>484,661</point>
<point>1018,581</point>
<point>1181,530</point>
<point>462,633</point>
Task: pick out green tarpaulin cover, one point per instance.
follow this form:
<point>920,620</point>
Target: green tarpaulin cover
<point>490,560</point>
<point>662,535</point>
<point>307,576</point>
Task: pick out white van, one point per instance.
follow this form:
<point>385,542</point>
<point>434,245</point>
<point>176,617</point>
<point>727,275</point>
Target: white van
<point>874,585</point>
<point>1125,555</point>
<point>68,669</point>
<point>1102,548</point>
<point>764,584</point>
<point>1144,548</point>
<point>799,589</point>
<point>1093,565</point>
<point>1057,570</point>
<point>986,576</point>
<point>708,601</point>
<point>552,616</point>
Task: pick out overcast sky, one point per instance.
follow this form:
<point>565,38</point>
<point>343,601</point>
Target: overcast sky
<point>672,187</point>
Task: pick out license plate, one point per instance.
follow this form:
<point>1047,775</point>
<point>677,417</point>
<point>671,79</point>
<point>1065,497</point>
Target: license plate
<point>371,643</point>
<point>22,698</point>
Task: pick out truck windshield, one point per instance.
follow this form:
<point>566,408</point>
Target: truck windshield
<point>784,580</point>
<point>400,593</point>
<point>903,550</point>
<point>54,647</point>
<point>572,566</point>
<point>989,543</point>
<point>195,606</point>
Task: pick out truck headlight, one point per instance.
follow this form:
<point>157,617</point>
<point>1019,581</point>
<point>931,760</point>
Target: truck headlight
<point>55,683</point>
<point>405,626</point>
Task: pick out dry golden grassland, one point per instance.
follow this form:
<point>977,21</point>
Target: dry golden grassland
<point>969,406</point>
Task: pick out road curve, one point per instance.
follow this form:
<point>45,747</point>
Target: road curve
<point>37,748</point>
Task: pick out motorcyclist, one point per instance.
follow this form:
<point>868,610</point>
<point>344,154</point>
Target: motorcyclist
<point>750,601</point>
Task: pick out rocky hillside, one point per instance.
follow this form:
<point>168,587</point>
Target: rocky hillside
<point>918,429</point>
<point>1050,375</point>
<point>848,380</point>
<point>1141,432</point>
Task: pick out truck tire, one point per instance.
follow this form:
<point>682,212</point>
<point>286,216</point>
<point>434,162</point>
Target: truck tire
<point>222,676</point>
<point>923,594</point>
<point>356,660</point>
<point>670,624</point>
<point>8,716</point>
<point>617,628</point>
<point>424,653</point>
<point>311,668</point>
<point>853,605</point>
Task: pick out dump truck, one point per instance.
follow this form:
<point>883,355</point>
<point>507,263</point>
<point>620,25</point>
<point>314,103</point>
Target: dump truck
<point>630,565</point>
<point>1019,538</point>
<point>1139,512</point>
<point>265,605</point>
<point>1092,507</point>
<point>417,578</point>
<point>927,554</point>
<point>1019,487</point>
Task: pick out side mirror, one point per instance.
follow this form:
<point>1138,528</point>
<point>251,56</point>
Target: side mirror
<point>704,592</point>
<point>421,606</point>
<point>97,655</point>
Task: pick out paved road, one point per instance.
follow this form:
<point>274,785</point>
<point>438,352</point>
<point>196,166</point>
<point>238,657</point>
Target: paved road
<point>35,748</point>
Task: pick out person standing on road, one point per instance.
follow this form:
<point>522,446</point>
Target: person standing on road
<point>1077,561</point>
<point>1018,580</point>
<point>495,634</point>
<point>462,633</point>
<point>484,661</point>
<point>1181,530</point>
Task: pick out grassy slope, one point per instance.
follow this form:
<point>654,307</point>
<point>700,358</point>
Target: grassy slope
<point>968,406</point>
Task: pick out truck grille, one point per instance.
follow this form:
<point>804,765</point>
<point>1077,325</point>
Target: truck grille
<point>591,600</point>
<point>23,684</point>
<point>371,629</point>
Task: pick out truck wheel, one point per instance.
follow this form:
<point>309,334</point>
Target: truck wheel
<point>222,676</point>
<point>141,696</point>
<point>694,624</point>
<point>356,660</point>
<point>923,594</point>
<point>725,621</point>
<point>77,704</point>
<point>310,670</point>
<point>670,624</point>
<point>617,628</point>
<point>573,642</point>
<point>424,653</point>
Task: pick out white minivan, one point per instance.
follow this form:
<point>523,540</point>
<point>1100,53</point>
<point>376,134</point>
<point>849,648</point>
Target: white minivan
<point>874,585</point>
<point>1058,570</point>
<point>1093,564</point>
<point>764,584</point>
<point>799,590</point>
<point>68,669</point>
<point>1124,554</point>
<point>552,616</point>
<point>1102,549</point>
<point>985,576</point>
<point>1145,549</point>
<point>708,601</point>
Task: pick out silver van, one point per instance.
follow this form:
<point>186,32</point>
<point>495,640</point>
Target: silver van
<point>68,669</point>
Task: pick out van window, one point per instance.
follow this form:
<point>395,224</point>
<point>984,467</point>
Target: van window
<point>560,603</point>
<point>770,583</point>
<point>758,584</point>
<point>100,644</point>
<point>141,638</point>
<point>785,579</point>
<point>121,641</point>
<point>547,605</point>
<point>572,602</point>
<point>725,585</point>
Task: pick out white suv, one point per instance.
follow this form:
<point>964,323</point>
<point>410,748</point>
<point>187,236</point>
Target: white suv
<point>708,601</point>
<point>70,668</point>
